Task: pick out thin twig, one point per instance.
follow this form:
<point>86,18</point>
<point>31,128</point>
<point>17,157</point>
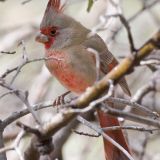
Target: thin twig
<point>133,104</point>
<point>15,144</point>
<point>28,129</point>
<point>136,15</point>
<point>100,131</point>
<point>143,91</point>
<point>3,155</point>
<point>26,1</point>
<point>150,61</point>
<point>137,128</point>
<point>144,145</point>
<point>15,116</point>
<point>130,116</point>
<point>7,93</point>
<point>19,67</point>
<point>85,134</point>
<point>4,52</point>
<point>127,27</point>
<point>23,96</point>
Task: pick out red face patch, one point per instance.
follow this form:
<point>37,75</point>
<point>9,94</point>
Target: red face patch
<point>49,43</point>
<point>51,33</point>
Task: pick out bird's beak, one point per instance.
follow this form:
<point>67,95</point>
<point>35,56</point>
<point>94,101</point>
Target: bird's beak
<point>41,38</point>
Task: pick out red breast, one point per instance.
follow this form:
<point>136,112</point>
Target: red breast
<point>61,67</point>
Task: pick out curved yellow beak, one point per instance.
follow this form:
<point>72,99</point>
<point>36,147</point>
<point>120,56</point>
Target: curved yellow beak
<point>41,38</point>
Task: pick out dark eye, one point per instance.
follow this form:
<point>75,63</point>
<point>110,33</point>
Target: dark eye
<point>53,31</point>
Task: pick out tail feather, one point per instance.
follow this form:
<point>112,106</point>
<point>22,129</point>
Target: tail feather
<point>111,151</point>
<point>124,86</point>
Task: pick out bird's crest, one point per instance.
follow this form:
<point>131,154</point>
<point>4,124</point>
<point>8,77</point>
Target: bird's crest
<point>55,5</point>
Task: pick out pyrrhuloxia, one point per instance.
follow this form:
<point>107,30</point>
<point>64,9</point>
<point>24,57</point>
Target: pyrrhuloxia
<point>69,41</point>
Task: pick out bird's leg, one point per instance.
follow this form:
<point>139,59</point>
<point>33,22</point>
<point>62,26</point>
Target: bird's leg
<point>60,100</point>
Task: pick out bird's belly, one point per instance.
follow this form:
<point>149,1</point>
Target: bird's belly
<point>73,77</point>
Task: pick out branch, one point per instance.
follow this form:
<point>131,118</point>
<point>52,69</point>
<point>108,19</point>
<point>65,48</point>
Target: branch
<point>133,104</point>
<point>100,131</point>
<point>23,96</point>
<point>130,116</point>
<point>3,155</point>
<point>118,72</point>
<point>4,52</point>
<point>137,128</point>
<point>27,61</point>
<point>26,1</point>
<point>128,29</point>
<point>16,115</point>
<point>14,145</point>
<point>144,8</point>
<point>152,85</point>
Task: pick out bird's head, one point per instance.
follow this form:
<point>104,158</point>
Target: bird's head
<point>58,30</point>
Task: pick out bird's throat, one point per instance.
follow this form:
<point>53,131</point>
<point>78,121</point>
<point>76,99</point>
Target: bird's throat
<point>49,43</point>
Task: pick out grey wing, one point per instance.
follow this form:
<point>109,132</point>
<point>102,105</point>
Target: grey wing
<point>107,60</point>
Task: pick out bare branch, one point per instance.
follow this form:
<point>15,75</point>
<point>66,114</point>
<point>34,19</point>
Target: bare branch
<point>7,93</point>
<point>144,146</point>
<point>19,67</point>
<point>15,145</point>
<point>132,104</point>
<point>23,96</point>
<point>130,116</point>
<point>127,27</point>
<point>3,155</point>
<point>4,52</point>
<point>26,1</point>
<point>85,134</point>
<point>100,131</point>
<point>151,61</point>
<point>137,128</point>
<point>15,116</point>
<point>132,18</point>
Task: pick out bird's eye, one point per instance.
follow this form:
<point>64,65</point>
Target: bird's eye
<point>53,31</point>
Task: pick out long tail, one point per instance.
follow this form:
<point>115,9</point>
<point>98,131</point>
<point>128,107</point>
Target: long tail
<point>111,151</point>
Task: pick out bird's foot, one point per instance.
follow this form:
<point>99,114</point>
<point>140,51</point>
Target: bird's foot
<point>60,100</point>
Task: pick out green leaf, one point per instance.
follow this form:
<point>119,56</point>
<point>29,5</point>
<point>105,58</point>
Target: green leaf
<point>90,4</point>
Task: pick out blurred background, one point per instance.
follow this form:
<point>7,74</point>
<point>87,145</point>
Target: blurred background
<point>21,22</point>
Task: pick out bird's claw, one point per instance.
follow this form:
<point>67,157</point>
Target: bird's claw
<point>60,100</point>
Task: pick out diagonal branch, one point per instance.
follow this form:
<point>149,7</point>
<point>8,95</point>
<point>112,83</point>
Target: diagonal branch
<point>100,131</point>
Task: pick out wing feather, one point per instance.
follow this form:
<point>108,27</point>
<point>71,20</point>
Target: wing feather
<point>107,60</point>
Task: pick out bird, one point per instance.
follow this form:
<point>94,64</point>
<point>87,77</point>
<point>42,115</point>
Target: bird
<point>71,48</point>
